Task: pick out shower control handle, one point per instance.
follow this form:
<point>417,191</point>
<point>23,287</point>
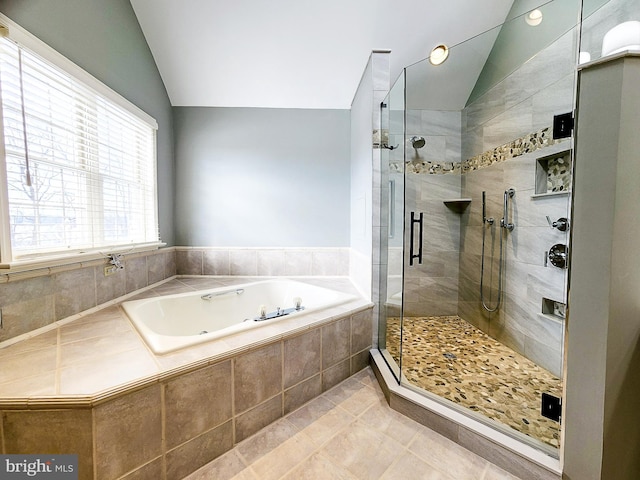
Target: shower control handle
<point>561,224</point>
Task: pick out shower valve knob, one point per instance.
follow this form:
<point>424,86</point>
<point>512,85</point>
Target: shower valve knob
<point>561,224</point>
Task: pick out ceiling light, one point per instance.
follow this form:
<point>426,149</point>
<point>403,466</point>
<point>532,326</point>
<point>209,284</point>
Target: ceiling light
<point>439,54</point>
<point>533,18</point>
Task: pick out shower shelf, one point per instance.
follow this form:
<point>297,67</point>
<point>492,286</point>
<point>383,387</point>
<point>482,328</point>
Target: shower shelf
<point>458,205</point>
<point>550,194</point>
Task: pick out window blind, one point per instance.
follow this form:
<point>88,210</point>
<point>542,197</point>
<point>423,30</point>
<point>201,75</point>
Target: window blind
<point>80,169</point>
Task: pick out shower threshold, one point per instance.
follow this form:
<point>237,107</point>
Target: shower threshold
<point>449,357</point>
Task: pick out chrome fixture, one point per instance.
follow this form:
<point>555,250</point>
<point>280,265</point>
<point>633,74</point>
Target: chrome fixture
<point>209,296</point>
<point>279,312</point>
<point>417,142</point>
<point>504,222</point>
<point>506,225</point>
<point>558,255</point>
<point>115,259</point>
<point>489,220</point>
<point>561,224</point>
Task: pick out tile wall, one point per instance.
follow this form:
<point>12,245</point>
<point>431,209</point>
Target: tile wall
<point>48,295</point>
<point>517,115</point>
<point>176,426</point>
<point>35,299</point>
<point>265,261</point>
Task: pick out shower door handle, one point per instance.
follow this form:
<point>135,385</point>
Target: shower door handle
<point>412,255</point>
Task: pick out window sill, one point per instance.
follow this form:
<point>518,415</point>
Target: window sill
<point>48,265</point>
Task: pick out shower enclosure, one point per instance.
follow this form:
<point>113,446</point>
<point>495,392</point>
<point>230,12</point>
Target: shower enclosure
<point>477,182</point>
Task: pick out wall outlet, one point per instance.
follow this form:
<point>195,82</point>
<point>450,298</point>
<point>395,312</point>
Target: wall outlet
<point>110,270</point>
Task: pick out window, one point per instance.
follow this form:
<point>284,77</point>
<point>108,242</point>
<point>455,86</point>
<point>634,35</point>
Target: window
<point>80,169</point>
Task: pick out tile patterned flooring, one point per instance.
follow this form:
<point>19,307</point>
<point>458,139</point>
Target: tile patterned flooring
<point>451,358</point>
<point>349,433</point>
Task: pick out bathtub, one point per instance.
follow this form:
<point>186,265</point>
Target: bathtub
<point>172,322</point>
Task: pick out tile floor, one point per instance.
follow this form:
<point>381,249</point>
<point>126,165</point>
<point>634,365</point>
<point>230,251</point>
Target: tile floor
<point>450,357</point>
<point>349,432</point>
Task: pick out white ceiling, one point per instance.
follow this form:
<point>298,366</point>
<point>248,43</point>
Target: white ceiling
<point>296,53</point>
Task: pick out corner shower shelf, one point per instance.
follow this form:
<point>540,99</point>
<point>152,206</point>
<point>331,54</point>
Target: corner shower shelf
<point>550,194</point>
<point>458,205</point>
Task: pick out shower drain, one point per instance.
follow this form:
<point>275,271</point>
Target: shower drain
<point>450,356</point>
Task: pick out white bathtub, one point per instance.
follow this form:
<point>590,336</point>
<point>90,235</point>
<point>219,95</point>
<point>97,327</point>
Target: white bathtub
<point>176,321</point>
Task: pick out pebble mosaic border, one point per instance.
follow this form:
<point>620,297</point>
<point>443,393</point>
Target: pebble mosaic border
<point>520,146</point>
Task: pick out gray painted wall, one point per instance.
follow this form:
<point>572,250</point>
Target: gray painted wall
<point>258,177</point>
<point>104,38</point>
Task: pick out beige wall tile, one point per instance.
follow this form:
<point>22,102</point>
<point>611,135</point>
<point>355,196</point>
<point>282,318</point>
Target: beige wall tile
<point>109,287</point>
<point>156,267</point>
<point>136,274</point>
<point>51,431</point>
<point>75,292</point>
<point>301,357</point>
<point>128,432</point>
<point>302,393</point>
<point>334,375</point>
<point>359,361</point>
<point>23,317</point>
<point>197,452</point>
<point>259,417</point>
<point>197,402</point>
<point>189,262</point>
<point>257,376</point>
<point>336,342</point>
<point>361,331</point>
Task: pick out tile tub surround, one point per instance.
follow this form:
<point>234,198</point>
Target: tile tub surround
<point>37,298</point>
<point>150,416</point>
<point>262,261</point>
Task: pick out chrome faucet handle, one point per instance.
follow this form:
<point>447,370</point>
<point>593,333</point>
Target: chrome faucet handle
<point>561,224</point>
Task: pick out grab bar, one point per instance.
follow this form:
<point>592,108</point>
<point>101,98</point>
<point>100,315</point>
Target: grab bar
<point>209,296</point>
<point>411,254</point>
<point>504,223</point>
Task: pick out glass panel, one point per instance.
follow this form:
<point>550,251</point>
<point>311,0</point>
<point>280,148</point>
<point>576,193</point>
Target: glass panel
<point>483,312</point>
<point>392,161</point>
<point>608,28</point>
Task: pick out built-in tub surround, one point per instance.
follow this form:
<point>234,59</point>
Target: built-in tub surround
<point>171,322</point>
<point>91,386</point>
<point>34,299</point>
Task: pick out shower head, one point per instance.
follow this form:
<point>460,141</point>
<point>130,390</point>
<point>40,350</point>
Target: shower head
<point>418,142</point>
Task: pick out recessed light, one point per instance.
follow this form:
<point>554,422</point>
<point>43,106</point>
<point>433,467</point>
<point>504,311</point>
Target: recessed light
<point>533,18</point>
<point>439,54</point>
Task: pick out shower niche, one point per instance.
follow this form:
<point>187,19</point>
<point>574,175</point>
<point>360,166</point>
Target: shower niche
<point>553,174</point>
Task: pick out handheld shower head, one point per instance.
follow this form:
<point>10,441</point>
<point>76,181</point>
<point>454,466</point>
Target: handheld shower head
<point>418,142</point>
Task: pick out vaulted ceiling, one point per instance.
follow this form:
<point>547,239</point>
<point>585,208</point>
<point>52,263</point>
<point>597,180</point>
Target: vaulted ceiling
<point>296,53</point>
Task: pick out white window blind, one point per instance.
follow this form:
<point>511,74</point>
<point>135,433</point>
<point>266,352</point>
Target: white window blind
<point>80,169</point>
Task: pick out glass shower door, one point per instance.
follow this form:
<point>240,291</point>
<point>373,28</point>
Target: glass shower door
<point>471,153</point>
<point>391,244</point>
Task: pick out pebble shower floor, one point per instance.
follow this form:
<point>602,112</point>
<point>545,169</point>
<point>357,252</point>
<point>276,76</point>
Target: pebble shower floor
<point>451,358</point>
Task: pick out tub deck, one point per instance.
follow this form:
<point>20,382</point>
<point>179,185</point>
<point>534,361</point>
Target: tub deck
<point>94,356</point>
